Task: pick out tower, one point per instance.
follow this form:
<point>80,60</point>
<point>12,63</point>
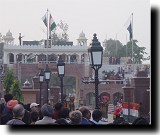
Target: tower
<point>82,40</point>
<point>8,39</point>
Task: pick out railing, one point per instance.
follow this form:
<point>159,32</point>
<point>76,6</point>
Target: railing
<point>55,47</point>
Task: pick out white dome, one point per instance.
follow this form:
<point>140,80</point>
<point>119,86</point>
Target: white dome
<point>82,34</point>
<point>9,34</point>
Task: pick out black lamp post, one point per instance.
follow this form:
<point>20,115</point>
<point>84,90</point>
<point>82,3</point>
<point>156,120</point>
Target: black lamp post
<point>95,56</point>
<point>61,72</point>
<point>41,80</point>
<point>47,75</point>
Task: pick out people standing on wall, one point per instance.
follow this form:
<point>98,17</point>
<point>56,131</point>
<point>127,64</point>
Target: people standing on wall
<point>20,39</point>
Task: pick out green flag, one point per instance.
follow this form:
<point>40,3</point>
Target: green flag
<point>130,30</point>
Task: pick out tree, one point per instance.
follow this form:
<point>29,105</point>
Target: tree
<point>16,90</point>
<point>12,85</point>
<point>124,50</point>
<point>8,80</point>
<point>138,52</point>
<point>112,47</point>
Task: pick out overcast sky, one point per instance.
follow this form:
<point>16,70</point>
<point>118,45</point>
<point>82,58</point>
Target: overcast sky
<point>104,17</point>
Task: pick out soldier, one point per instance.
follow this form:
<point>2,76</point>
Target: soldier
<point>20,38</point>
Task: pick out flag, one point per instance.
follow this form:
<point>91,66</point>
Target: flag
<point>130,30</point>
<point>52,23</point>
<point>44,18</point>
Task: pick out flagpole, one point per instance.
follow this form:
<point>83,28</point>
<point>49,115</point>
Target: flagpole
<point>126,46</point>
<point>47,36</point>
<point>47,28</point>
<point>132,37</point>
<point>116,44</point>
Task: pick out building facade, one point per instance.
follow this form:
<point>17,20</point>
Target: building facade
<point>27,60</point>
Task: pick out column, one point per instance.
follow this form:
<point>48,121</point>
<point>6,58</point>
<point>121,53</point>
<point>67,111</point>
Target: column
<point>69,57</point>
<point>79,59</point>
<point>6,60</point>
<point>36,58</point>
<point>15,58</point>
<point>25,59</point>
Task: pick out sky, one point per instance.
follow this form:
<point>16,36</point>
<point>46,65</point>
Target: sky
<point>106,18</point>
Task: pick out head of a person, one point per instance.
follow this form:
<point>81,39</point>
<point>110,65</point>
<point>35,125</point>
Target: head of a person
<point>47,110</point>
<point>34,107</point>
<point>8,97</point>
<point>140,121</point>
<point>18,111</point>
<point>58,106</point>
<point>11,104</point>
<point>64,113</point>
<point>119,121</point>
<point>97,115</point>
<point>75,116</point>
<point>34,116</point>
<point>85,112</point>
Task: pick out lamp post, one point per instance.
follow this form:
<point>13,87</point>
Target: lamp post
<point>47,75</point>
<point>61,72</point>
<point>95,52</point>
<point>41,80</point>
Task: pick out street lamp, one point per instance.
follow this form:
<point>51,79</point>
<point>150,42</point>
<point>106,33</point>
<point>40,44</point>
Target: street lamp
<point>61,72</point>
<point>95,53</point>
<point>47,75</point>
<point>41,80</point>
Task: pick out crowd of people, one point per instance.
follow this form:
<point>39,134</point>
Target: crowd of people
<point>13,112</point>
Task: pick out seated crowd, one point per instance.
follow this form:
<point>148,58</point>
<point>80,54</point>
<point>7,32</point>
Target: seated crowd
<point>15,113</point>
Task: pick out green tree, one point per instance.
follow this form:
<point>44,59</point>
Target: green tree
<point>16,90</point>
<point>124,50</point>
<point>112,47</point>
<point>12,85</point>
<point>8,80</point>
<point>138,52</point>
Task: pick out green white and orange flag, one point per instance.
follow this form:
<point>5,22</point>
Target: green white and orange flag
<point>52,23</point>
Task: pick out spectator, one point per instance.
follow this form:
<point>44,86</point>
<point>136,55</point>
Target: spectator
<point>86,115</point>
<point>120,121</point>
<point>140,121</point>
<point>4,108</point>
<point>62,121</point>
<point>47,112</point>
<point>34,107</point>
<point>76,117</point>
<point>57,109</point>
<point>64,113</point>
<point>97,116</point>
<point>18,113</point>
<point>34,117</point>
<point>8,115</point>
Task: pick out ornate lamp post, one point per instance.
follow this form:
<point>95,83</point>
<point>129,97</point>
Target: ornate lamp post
<point>61,72</point>
<point>95,56</point>
<point>47,75</point>
<point>41,80</point>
